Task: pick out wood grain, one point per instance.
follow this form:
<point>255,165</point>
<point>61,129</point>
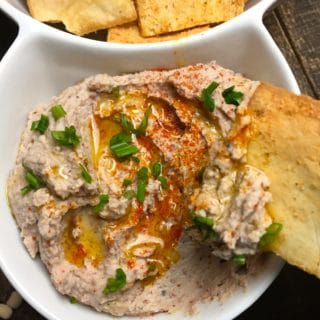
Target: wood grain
<point>301,21</point>
<point>278,33</point>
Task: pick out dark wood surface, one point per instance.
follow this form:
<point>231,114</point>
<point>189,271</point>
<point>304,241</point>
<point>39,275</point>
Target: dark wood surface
<point>295,26</point>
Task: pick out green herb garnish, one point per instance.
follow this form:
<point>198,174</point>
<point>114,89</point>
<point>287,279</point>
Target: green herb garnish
<point>129,194</point>
<point>201,221</point>
<point>40,125</point>
<point>34,182</point>
<point>239,260</point>
<point>117,283</point>
<point>135,159</point>
<point>200,175</point>
<point>121,145</point>
<point>271,233</point>
<point>141,130</point>
<point>204,225</point>
<point>57,112</point>
<point>85,174</point>
<point>68,137</point>
<point>126,123</point>
<point>120,138</point>
<point>125,150</point>
<point>104,199</point>
<point>73,300</point>
<point>232,97</point>
<point>128,126</point>
<point>206,96</point>
<point>126,182</point>
<point>26,190</point>
<point>115,92</point>
<point>142,177</point>
<point>141,191</point>
<point>152,267</point>
<point>156,169</point>
<point>163,182</point>
<point>143,174</point>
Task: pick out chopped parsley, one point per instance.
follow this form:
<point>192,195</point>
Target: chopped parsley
<point>201,221</point>
<point>128,126</point>
<point>121,145</point>
<point>33,182</point>
<point>116,283</point>
<point>232,97</point>
<point>85,174</point>
<point>239,260</point>
<point>126,123</point>
<point>142,178</point>
<point>73,300</point>
<point>104,199</point>
<point>26,189</point>
<point>40,125</point>
<point>68,137</point>
<point>57,112</point>
<point>271,233</point>
<point>206,96</point>
<point>143,174</point>
<point>163,182</point>
<point>152,267</point>
<point>200,175</point>
<point>115,92</point>
<point>204,225</point>
<point>135,159</point>
<point>129,194</point>
<point>119,138</point>
<point>126,182</point>
<point>141,130</point>
<point>156,169</point>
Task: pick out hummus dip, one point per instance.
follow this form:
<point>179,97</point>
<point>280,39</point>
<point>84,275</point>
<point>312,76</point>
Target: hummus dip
<point>116,177</point>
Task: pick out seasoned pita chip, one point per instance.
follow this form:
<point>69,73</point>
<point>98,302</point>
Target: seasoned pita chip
<point>84,16</point>
<point>47,10</point>
<point>158,17</point>
<point>286,146</point>
<point>130,33</point>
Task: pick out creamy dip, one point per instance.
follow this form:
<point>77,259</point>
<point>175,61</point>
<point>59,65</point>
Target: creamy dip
<point>128,165</point>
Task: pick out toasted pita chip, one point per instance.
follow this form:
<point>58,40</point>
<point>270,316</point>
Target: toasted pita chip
<point>158,17</point>
<point>83,16</point>
<point>286,146</point>
<point>130,33</point>
<point>47,10</point>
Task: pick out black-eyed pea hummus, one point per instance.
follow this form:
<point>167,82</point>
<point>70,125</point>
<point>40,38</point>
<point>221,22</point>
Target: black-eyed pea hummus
<point>112,175</point>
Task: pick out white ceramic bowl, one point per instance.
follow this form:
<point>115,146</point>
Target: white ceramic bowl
<point>42,61</point>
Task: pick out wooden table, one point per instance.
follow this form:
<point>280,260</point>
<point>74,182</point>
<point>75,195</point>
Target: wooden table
<point>295,25</point>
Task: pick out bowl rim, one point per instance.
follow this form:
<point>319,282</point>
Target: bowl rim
<point>27,25</point>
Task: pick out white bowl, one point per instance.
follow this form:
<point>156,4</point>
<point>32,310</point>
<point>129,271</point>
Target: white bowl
<point>18,10</point>
<point>42,61</point>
